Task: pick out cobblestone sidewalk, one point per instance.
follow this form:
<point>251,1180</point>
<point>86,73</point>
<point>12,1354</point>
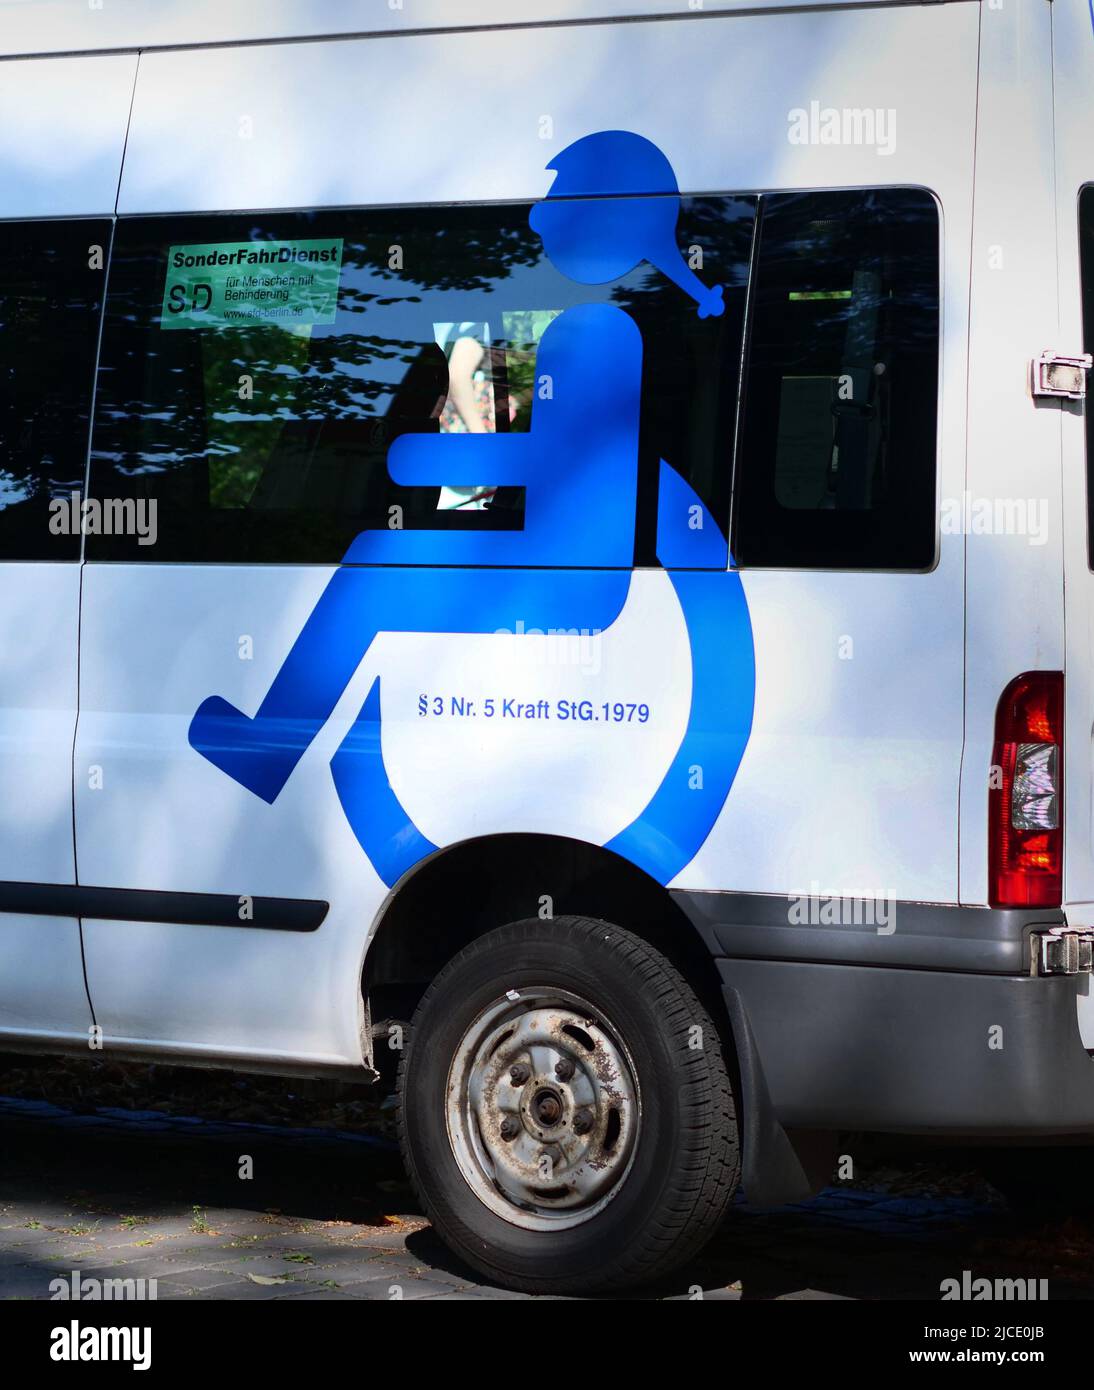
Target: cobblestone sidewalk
<point>120,1194</point>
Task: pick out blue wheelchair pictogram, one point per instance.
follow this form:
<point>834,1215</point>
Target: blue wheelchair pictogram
<point>568,568</point>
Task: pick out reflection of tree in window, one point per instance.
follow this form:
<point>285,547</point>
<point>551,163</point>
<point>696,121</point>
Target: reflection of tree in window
<point>294,466</point>
<point>49,326</point>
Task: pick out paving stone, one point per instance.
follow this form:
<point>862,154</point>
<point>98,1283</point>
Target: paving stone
<point>332,1190</point>
<point>386,1236</point>
<point>245,1290</point>
<point>126,1239</point>
<point>243,1264</point>
<point>355,1259</point>
<point>26,1237</point>
<point>51,1214</point>
<point>327,1294</point>
<point>384,1276</point>
<point>490,1292</point>
<point>197,1279</point>
<point>65,1248</point>
<point>34,1281</point>
<point>375,1290</point>
<point>810,1296</point>
<point>154,1267</point>
<point>432,1288</point>
<point>465,1295</point>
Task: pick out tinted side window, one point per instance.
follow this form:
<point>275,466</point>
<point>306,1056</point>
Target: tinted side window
<point>837,461</point>
<point>51,279</point>
<point>258,415</point>
<point>1086,255</point>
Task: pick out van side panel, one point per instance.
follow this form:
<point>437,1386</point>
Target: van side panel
<point>58,26</point>
<point>62,132</point>
<point>41,972</point>
<point>858,758</point>
<point>1073,72</point>
<point>373,121</point>
<point>1014,549</point>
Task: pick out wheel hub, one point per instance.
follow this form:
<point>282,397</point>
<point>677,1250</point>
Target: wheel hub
<point>543,1109</point>
<point>547,1108</point>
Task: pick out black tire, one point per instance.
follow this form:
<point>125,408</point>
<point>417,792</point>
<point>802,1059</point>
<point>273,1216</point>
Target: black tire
<point>685,1165</point>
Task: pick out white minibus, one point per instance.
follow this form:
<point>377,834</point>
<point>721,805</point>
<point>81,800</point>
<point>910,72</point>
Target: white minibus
<point>548,548</point>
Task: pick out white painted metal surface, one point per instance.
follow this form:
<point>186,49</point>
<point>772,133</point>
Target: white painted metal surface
<point>851,777</point>
<point>41,972</point>
<point>865,775</point>
<point>62,133</point>
<point>63,26</point>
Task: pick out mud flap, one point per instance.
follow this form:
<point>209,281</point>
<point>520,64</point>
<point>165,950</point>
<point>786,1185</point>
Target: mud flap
<point>773,1171</point>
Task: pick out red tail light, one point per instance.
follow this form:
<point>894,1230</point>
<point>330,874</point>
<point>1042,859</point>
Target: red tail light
<point>1025,797</point>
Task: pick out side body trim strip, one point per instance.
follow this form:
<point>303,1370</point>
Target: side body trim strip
<point>144,905</point>
<point>919,936</point>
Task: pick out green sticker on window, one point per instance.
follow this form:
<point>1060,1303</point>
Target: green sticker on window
<point>238,284</point>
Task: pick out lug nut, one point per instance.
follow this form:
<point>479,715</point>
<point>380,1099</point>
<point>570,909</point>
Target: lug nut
<point>519,1074</point>
<point>510,1128</point>
<point>583,1121</point>
<point>564,1069</point>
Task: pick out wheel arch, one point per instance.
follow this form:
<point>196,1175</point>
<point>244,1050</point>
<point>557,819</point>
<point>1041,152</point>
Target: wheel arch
<point>467,889</point>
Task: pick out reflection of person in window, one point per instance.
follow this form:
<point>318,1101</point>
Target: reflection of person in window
<point>469,408</point>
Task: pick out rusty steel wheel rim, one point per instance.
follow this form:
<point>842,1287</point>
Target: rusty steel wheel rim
<point>543,1109</point>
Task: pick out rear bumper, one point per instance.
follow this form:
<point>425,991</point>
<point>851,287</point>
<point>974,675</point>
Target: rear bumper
<point>865,1047</point>
<point>929,1021</point>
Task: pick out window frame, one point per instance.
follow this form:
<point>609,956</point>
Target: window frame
<point>1084,230</point>
<point>735,501</point>
<point>111,224</point>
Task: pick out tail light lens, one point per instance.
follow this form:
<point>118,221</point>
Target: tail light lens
<point>1025,799</point>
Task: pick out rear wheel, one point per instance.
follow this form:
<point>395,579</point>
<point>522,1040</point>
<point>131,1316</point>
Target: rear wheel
<point>566,1113</point>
